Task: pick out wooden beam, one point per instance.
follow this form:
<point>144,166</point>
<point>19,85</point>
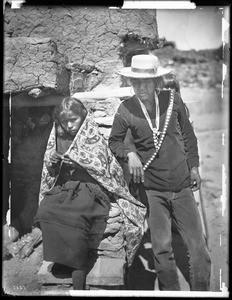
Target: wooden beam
<point>103,94</point>
<point>23,98</point>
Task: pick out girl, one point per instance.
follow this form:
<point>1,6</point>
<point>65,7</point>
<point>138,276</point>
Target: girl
<point>67,211</point>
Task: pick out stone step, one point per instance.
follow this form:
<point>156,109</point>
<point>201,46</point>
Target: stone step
<point>106,271</point>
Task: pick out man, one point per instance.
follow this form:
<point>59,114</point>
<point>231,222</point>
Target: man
<point>164,165</point>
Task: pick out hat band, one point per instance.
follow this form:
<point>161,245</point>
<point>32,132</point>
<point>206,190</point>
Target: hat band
<point>139,70</point>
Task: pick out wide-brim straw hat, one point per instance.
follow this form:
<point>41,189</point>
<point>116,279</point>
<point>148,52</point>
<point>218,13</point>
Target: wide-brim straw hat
<point>144,66</point>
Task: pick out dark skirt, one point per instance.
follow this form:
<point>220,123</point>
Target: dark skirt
<point>64,245</point>
<point>66,215</point>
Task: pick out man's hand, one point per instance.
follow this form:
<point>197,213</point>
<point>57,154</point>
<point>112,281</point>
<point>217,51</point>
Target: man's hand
<point>135,167</point>
<point>195,179</point>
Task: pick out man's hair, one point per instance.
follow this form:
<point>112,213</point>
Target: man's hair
<point>158,80</point>
<point>170,81</point>
<point>69,104</point>
<point>167,81</point>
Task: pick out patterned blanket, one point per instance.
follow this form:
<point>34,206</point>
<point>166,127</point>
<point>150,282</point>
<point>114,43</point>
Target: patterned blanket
<point>89,149</point>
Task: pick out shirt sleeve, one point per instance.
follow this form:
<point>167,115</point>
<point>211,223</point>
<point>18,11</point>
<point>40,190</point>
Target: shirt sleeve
<point>118,133</point>
<point>189,137</point>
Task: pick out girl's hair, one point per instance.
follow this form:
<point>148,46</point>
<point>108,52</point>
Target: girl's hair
<point>69,104</point>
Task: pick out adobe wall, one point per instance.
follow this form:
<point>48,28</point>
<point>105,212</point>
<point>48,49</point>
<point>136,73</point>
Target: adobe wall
<point>51,52</point>
<point>87,40</point>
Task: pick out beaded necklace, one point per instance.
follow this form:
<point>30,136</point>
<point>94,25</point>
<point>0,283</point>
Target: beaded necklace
<point>158,136</point>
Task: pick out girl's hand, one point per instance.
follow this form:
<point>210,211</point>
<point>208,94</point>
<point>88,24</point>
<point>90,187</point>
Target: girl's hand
<point>55,158</point>
<point>69,162</point>
<point>195,179</point>
<point>135,167</point>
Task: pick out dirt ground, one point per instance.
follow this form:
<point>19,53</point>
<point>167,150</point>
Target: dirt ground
<point>210,119</point>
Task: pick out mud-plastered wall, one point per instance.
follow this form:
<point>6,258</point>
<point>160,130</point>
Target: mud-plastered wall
<point>52,52</point>
<point>88,39</point>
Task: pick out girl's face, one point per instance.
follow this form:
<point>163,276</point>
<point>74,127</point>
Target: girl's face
<point>71,122</point>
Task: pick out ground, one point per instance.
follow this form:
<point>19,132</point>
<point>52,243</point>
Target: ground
<point>209,113</point>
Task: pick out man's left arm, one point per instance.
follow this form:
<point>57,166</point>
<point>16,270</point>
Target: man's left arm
<point>191,146</point>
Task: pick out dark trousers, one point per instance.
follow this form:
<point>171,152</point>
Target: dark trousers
<point>180,208</point>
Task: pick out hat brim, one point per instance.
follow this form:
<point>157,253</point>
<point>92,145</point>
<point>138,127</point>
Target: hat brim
<point>159,72</point>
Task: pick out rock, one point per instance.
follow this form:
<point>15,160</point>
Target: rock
<point>104,121</point>
<point>113,242</point>
<point>99,114</point>
<point>105,131</point>
<point>35,92</point>
<point>113,227</point>
<point>117,219</point>
<point>25,246</point>
<point>107,271</point>
<point>10,234</point>
<point>114,254</point>
<point>114,210</point>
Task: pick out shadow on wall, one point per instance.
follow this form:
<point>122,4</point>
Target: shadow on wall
<point>26,138</point>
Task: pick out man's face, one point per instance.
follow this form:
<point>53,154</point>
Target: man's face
<point>144,88</point>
